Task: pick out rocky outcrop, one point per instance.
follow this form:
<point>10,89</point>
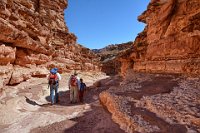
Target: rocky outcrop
<point>154,103</point>
<point>34,38</point>
<point>108,55</point>
<point>170,43</point>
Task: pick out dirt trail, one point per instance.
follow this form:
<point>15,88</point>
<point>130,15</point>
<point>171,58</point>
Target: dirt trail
<point>26,108</point>
<point>143,103</point>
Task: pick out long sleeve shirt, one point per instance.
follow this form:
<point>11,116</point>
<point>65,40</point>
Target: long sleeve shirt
<point>78,82</point>
<point>59,77</point>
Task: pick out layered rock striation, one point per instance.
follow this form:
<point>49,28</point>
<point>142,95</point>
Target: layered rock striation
<point>169,46</point>
<point>109,57</point>
<point>170,42</point>
<point>161,102</point>
<point>34,38</point>
<point>150,103</point>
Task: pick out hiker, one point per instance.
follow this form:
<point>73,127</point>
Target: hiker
<point>54,78</point>
<point>82,90</point>
<point>74,85</point>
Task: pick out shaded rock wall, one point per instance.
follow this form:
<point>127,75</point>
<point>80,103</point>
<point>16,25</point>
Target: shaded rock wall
<point>170,43</point>
<point>34,38</point>
<point>109,57</point>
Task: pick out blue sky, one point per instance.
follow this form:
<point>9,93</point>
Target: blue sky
<point>98,23</point>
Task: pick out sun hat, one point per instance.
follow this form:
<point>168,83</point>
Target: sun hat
<point>53,71</point>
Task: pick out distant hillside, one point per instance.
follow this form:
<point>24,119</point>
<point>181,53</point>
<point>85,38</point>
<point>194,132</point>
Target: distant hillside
<point>112,50</point>
<point>109,54</point>
<point>113,47</point>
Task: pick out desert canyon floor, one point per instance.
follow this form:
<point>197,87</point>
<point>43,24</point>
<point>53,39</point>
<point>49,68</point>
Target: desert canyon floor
<point>140,103</point>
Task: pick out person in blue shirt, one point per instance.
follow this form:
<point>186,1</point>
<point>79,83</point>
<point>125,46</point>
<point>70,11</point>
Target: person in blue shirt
<point>82,90</point>
<point>53,80</point>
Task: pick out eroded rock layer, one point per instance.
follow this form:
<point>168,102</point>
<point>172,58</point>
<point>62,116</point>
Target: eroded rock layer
<point>34,38</point>
<point>109,57</point>
<point>170,43</point>
<point>150,103</point>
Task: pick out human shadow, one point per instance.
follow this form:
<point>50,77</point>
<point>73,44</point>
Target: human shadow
<point>34,103</point>
<point>31,102</point>
<point>63,99</point>
<point>90,95</point>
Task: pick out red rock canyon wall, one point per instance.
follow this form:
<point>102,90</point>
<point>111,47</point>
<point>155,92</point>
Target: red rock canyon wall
<point>34,38</point>
<point>170,42</point>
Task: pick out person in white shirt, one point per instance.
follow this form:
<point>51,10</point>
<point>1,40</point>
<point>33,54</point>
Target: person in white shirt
<point>74,86</point>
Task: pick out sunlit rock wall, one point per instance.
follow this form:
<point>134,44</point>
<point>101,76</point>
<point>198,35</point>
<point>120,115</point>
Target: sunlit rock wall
<point>34,38</point>
<point>170,42</point>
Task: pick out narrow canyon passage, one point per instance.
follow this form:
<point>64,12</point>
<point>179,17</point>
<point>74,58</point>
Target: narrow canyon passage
<point>160,68</point>
<point>139,103</point>
<point>26,108</point>
<point>89,117</point>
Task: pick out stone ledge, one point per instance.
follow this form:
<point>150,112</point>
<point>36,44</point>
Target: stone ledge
<point>155,103</point>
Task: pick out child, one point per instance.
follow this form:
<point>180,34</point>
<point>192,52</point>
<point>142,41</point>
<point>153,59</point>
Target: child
<point>81,91</point>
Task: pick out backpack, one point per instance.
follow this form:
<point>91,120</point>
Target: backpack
<point>53,78</point>
<point>73,81</point>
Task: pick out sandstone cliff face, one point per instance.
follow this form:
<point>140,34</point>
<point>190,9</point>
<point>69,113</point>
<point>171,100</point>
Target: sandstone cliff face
<point>110,63</point>
<point>34,38</point>
<point>170,42</point>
